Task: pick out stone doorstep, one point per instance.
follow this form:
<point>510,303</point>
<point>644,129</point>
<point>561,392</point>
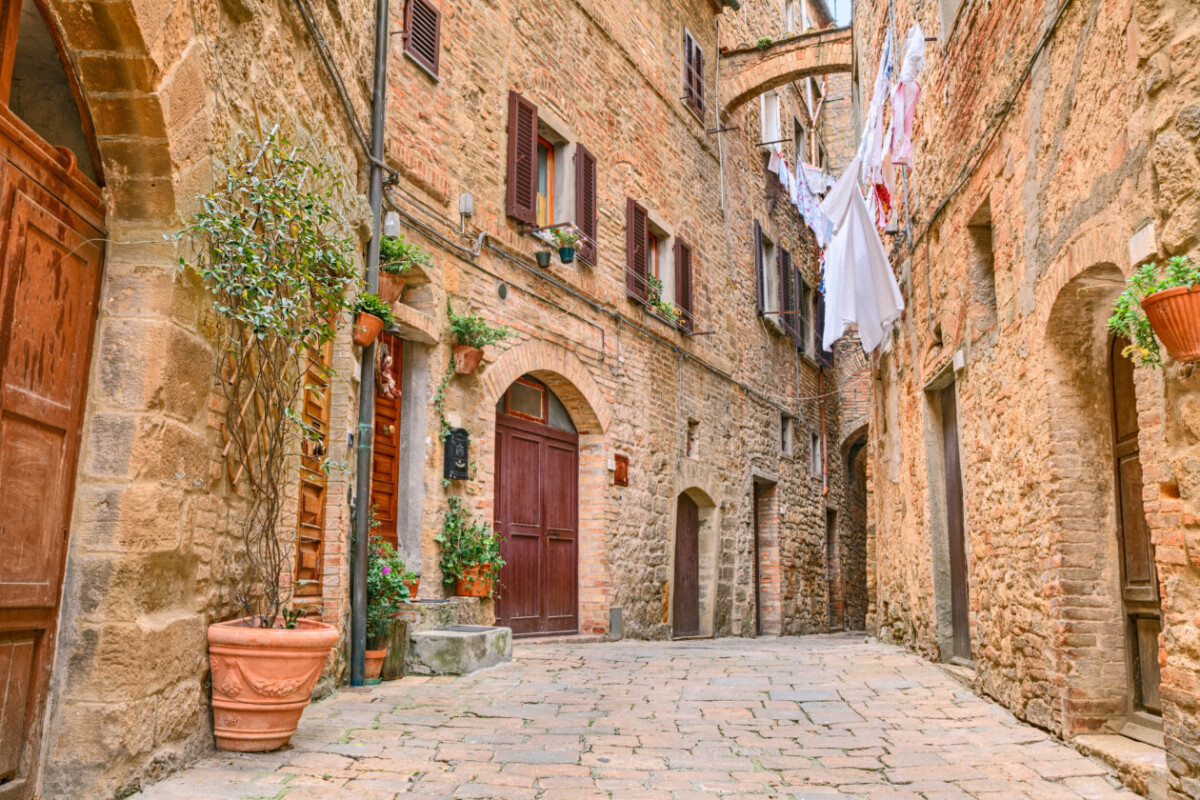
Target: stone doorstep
<point>1141,767</point>
<point>570,638</point>
<point>961,673</point>
<point>459,650</point>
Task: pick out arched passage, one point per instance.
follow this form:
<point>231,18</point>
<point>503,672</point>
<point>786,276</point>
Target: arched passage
<point>747,72</point>
<point>852,529</point>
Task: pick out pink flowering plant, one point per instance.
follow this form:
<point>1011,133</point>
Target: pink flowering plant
<point>386,590</point>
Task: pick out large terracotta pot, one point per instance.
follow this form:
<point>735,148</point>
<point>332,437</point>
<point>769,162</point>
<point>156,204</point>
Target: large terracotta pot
<point>366,329</point>
<point>391,287</point>
<point>375,659</point>
<point>466,358</point>
<point>475,582</point>
<point>262,678</point>
<point>1175,316</point>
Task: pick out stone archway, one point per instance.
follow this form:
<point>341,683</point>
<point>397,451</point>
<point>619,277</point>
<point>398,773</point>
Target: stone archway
<point>707,535</point>
<point>748,71</point>
<point>854,558</point>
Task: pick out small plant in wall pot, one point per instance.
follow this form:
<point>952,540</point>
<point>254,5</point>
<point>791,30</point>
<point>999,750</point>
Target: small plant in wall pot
<point>372,316</point>
<point>1160,304</point>
<point>566,240</point>
<point>397,258</point>
<point>470,552</point>
<point>387,590</point>
<point>661,307</point>
<point>471,334</point>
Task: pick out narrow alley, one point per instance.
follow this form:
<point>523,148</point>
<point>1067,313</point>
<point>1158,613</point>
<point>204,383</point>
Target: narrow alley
<point>815,716</point>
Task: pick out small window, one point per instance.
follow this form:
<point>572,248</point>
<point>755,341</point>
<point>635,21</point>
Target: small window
<point>692,445</point>
<point>422,34</point>
<point>527,400</point>
<point>789,16</point>
<point>982,269</point>
<point>770,276</point>
<point>652,247</point>
<point>693,74</point>
<point>816,454</point>
<point>545,182</point>
<point>771,134</point>
<point>787,435</point>
<point>800,140</point>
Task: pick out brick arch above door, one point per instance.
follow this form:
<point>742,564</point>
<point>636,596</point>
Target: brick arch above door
<point>562,371</point>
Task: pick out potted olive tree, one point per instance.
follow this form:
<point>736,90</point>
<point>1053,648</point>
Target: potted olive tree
<point>269,247</point>
<point>470,557</point>
<point>471,335</point>
<point>397,258</point>
<point>1160,304</point>
<point>386,591</point>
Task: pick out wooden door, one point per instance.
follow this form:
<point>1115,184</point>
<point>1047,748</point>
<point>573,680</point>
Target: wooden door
<point>686,604</point>
<point>960,598</point>
<point>833,571</point>
<point>537,517</point>
<point>51,225</point>
<point>755,498</point>
<point>1139,579</point>
<point>385,451</point>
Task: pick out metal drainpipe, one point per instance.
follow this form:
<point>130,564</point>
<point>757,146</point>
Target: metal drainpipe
<point>366,384</point>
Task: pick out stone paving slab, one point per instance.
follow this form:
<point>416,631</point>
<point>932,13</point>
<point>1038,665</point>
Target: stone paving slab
<point>811,717</point>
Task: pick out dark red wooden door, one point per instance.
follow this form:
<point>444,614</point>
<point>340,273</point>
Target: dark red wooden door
<point>385,449</point>
<point>686,603</point>
<point>50,265</point>
<point>537,517</point>
<point>1139,579</point>
<point>960,598</point>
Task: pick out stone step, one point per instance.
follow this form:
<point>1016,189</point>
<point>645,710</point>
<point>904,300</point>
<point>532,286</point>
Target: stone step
<point>1140,766</point>
<point>459,649</point>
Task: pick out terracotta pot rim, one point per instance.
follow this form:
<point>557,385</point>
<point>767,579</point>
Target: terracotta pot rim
<point>310,634</point>
<point>1167,293</point>
<point>380,653</point>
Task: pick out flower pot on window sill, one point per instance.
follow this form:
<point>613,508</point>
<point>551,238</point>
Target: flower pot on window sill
<point>543,258</point>
<point>475,582</point>
<point>366,329</point>
<point>375,659</point>
<point>1175,316</point>
<point>391,287</point>
<point>466,358</point>
<point>566,254</point>
<point>413,585</point>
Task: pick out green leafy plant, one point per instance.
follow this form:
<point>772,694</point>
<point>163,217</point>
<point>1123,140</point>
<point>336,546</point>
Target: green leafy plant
<point>661,307</point>
<point>439,405</point>
<point>397,255</point>
<point>764,42</point>
<point>472,330</point>
<point>465,543</point>
<point>564,237</point>
<point>373,304</point>
<point>1129,319</point>
<point>386,589</point>
<point>271,246</point>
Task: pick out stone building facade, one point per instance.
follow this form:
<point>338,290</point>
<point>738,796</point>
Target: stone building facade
<point>1056,150</point>
<point>723,417</point>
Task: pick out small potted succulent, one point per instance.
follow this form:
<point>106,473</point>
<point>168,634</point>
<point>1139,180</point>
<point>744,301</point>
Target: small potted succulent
<point>565,239</point>
<point>372,316</point>
<point>471,335</point>
<point>470,553</point>
<point>1160,304</point>
<point>397,258</point>
<point>386,591</point>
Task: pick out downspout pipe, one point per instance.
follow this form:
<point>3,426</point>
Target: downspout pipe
<point>366,384</point>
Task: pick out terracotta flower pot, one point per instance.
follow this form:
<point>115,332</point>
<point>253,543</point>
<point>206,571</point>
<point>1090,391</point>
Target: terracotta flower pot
<point>366,329</point>
<point>475,582</point>
<point>391,287</point>
<point>413,585</point>
<point>1175,317</point>
<point>262,678</point>
<point>375,659</point>
<point>466,358</point>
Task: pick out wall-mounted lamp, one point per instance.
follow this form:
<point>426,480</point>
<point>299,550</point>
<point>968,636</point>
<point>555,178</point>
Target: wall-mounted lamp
<point>466,208</point>
<point>391,224</point>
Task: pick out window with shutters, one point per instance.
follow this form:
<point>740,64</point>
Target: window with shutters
<point>684,282</point>
<point>787,292</point>
<point>310,524</point>
<point>766,263</point>
<point>804,338</point>
<point>545,182</point>
<point>824,357</point>
<point>422,34</point>
<point>693,74</point>
<point>769,117</point>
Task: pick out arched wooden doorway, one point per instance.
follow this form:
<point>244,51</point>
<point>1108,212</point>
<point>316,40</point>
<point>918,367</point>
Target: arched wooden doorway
<point>537,511</point>
<point>51,232</point>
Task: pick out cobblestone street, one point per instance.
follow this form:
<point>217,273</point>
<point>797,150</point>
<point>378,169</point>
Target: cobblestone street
<point>817,716</point>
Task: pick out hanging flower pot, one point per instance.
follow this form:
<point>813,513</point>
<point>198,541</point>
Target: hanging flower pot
<point>543,258</point>
<point>262,678</point>
<point>475,582</point>
<point>391,287</point>
<point>566,254</point>
<point>1175,316</point>
<point>375,659</point>
<point>466,358</point>
<point>366,329</point>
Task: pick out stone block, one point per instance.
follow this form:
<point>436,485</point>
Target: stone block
<point>459,650</point>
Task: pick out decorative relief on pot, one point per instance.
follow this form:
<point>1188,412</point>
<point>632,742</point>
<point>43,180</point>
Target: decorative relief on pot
<point>230,686</point>
<point>227,720</point>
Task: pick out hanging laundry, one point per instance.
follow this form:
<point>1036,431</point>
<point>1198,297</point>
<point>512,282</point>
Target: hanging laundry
<point>859,285</point>
<point>904,98</point>
<point>870,149</point>
<point>809,206</point>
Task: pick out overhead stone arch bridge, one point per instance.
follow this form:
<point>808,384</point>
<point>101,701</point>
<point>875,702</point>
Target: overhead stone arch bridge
<point>749,70</point>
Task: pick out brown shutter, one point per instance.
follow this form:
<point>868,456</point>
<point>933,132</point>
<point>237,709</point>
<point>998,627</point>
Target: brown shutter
<point>693,74</point>
<point>824,357</point>
<point>787,296</point>
<point>635,250</point>
<point>586,215</point>
<point>522,159</point>
<point>310,534</point>
<point>804,302</point>
<point>683,284</point>
<point>760,296</point>
<point>422,33</point>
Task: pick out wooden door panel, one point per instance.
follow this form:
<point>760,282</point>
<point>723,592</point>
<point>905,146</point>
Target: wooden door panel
<point>523,479</point>
<point>385,447</point>
<point>960,597</point>
<point>16,667</point>
<point>1146,631</point>
<point>561,477</point>
<point>686,606</point>
<point>1140,582</point>
<point>31,459</point>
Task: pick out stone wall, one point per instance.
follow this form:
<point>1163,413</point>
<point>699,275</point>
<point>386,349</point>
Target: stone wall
<point>1091,171</point>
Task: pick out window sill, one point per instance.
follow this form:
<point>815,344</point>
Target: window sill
<point>422,67</point>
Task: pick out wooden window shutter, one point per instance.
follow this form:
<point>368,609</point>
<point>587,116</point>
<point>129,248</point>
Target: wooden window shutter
<point>310,524</point>
<point>760,278</point>
<point>522,159</point>
<point>824,357</point>
<point>683,284</point>
<point>422,33</point>
<point>586,213</point>
<point>693,81</point>
<point>636,223</point>
<point>803,297</point>
<point>787,293</point>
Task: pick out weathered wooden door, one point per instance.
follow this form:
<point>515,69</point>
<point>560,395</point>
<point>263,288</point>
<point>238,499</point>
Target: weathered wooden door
<point>833,571</point>
<point>1139,579</point>
<point>385,451</point>
<point>51,221</point>
<point>755,498</point>
<point>686,603</point>
<point>537,516</point>
<point>960,598</point>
